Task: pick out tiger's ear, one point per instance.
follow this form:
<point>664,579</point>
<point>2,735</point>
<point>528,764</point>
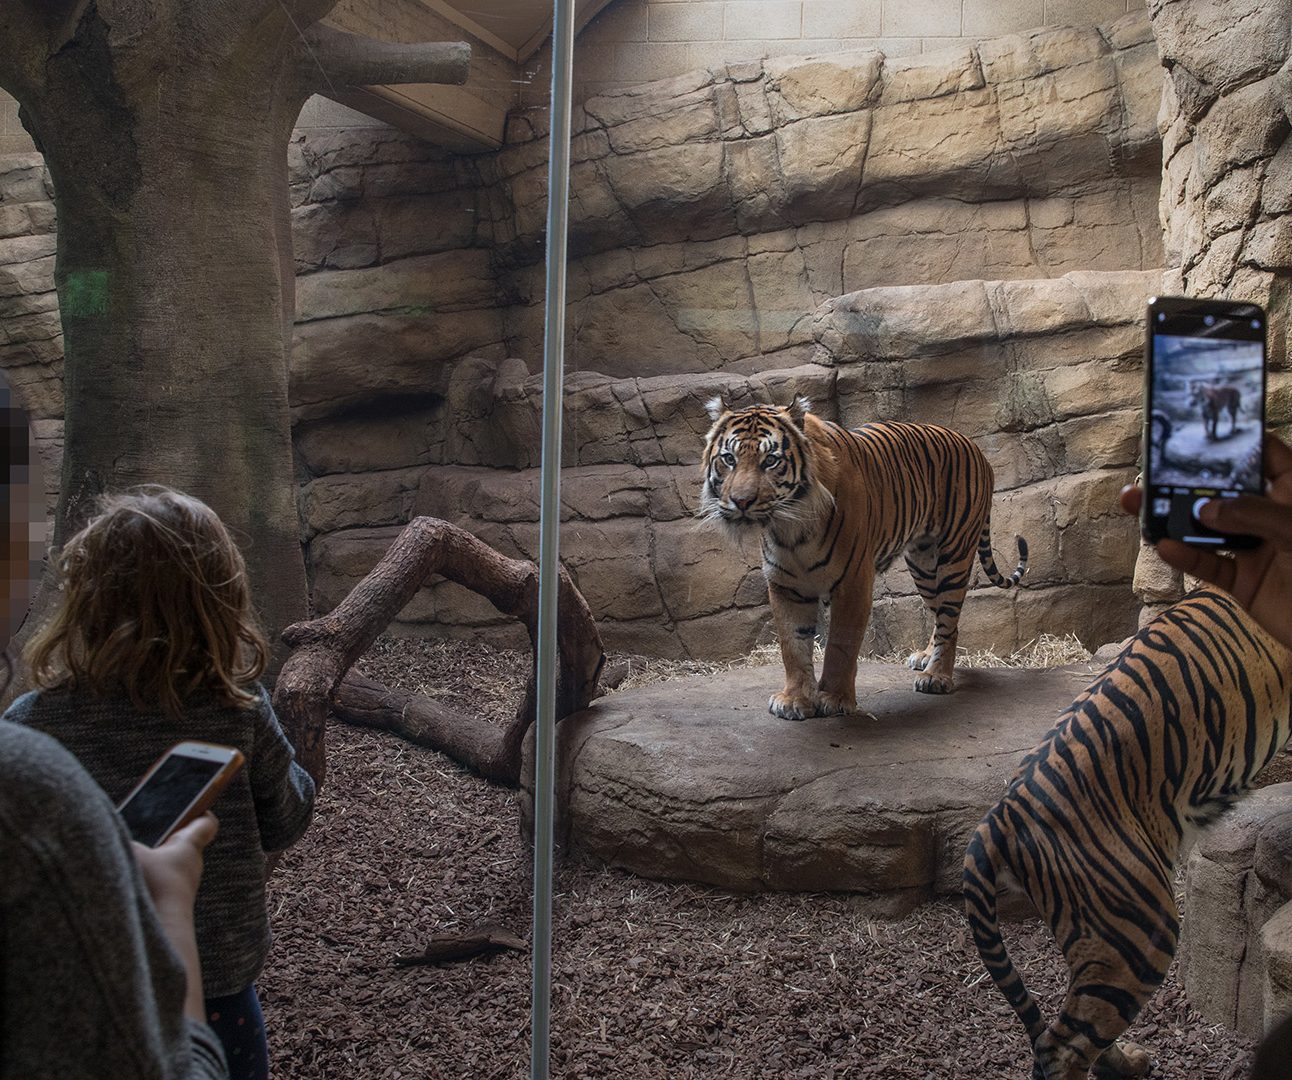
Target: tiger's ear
<point>715,406</point>
<point>799,408</point>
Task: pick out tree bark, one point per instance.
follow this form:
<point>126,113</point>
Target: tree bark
<point>490,749</point>
<point>336,58</point>
<point>165,125</point>
<point>326,649</point>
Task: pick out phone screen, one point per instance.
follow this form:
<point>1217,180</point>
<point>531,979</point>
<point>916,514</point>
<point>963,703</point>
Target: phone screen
<point>171,790</point>
<point>1205,417</point>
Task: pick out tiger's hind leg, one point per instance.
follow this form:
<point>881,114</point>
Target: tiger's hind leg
<point>1106,993</point>
<point>1123,1058</point>
<point>1077,1047</point>
<point>922,561</point>
<point>942,579</point>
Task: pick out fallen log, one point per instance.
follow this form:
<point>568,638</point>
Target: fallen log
<point>493,750</point>
<point>324,650</point>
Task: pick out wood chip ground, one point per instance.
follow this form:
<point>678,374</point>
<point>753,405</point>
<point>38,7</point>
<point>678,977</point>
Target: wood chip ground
<point>651,980</point>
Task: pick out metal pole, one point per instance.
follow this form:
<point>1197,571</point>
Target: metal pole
<point>558,191</point>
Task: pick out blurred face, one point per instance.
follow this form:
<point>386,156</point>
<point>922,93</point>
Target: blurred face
<point>25,523</point>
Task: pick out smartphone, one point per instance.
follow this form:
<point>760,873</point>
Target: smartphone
<point>1204,415</point>
<point>181,785</point>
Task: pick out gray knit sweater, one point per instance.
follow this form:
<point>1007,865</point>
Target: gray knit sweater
<point>89,986</point>
<point>266,807</point>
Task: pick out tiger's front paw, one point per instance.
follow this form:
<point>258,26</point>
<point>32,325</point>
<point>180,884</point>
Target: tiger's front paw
<point>791,706</point>
<point>828,704</point>
<point>918,661</point>
<point>931,682</point>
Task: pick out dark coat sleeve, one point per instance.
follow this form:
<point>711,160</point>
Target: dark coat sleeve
<point>282,790</point>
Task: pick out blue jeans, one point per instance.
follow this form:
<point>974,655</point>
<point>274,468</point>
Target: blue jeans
<point>240,1026</point>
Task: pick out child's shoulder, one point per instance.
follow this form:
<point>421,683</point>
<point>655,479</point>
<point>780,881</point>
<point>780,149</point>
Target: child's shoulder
<point>25,705</point>
<point>264,700</point>
<point>220,697</point>
<point>264,705</point>
<point>253,711</point>
<point>22,704</point>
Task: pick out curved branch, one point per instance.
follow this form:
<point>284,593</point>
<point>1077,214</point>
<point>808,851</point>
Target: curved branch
<point>326,648</point>
<point>493,750</point>
<point>328,58</point>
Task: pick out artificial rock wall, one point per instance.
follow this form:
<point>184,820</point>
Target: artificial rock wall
<point>1226,199</point>
<point>31,337</point>
<point>965,238</point>
<point>1227,213</point>
<point>1236,940</point>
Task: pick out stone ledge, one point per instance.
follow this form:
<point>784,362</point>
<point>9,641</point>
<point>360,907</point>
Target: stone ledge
<point>695,780</point>
<point>1236,941</point>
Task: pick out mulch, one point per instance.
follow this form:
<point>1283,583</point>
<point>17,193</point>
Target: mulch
<point>650,979</point>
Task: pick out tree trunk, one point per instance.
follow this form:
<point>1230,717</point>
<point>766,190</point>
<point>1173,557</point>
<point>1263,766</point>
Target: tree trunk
<point>172,314</point>
<point>326,648</point>
<point>165,127</point>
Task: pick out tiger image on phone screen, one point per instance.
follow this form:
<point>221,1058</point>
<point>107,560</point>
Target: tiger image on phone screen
<point>1213,400</point>
<point>1205,426</point>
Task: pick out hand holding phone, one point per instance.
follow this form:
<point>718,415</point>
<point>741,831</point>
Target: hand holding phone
<point>181,785</point>
<point>173,869</point>
<point>1204,416</point>
<point>1259,578</point>
<point>172,872</point>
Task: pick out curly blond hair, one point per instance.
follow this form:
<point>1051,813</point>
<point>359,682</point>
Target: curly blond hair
<point>155,604</point>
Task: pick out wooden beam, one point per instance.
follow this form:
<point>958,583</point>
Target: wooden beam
<point>448,116</point>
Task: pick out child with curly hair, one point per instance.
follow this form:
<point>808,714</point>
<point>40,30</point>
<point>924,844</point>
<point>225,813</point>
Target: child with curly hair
<point>155,642</point>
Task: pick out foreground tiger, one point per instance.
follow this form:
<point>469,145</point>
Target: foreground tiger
<point>836,506</point>
<point>1165,739</point>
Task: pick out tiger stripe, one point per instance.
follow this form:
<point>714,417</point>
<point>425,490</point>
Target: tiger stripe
<point>1091,826</point>
<point>837,506</point>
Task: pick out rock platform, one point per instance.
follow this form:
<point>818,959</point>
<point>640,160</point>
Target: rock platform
<point>694,780</point>
<point>1236,941</point>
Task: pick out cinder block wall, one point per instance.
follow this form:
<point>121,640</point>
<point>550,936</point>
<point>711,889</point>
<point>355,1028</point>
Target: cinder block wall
<point>636,41</point>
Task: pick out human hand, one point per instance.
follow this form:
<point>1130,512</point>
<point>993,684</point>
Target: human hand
<point>172,873</point>
<point>173,870</point>
<point>1259,578</point>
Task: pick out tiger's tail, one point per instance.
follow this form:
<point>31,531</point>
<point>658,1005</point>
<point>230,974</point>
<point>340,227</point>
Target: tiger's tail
<point>989,561</point>
<point>980,907</point>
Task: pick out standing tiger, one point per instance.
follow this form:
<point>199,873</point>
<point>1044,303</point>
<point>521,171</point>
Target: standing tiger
<point>834,507</point>
<point>1167,737</point>
<point>1213,399</point>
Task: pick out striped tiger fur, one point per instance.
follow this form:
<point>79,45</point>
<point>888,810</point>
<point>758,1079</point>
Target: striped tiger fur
<point>1213,400</point>
<point>835,507</point>
<point>1167,737</point>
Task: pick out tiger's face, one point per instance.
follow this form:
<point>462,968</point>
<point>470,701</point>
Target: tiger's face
<point>757,465</point>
